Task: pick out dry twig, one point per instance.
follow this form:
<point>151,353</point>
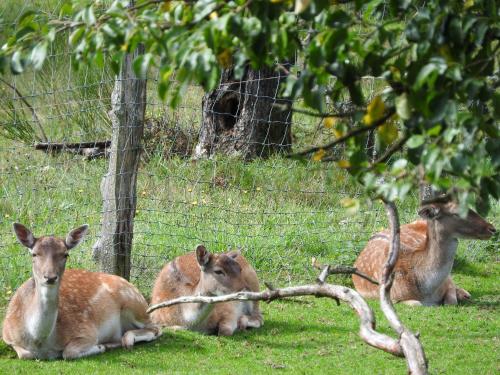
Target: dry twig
<point>351,297</point>
<point>339,270</point>
<point>412,348</point>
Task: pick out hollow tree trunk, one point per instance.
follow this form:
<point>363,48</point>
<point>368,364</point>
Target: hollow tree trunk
<point>246,117</point>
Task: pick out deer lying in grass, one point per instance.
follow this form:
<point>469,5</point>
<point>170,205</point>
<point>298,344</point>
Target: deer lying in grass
<point>428,247</point>
<point>202,273</point>
<point>75,313</point>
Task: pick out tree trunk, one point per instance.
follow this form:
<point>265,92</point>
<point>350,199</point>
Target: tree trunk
<point>118,187</point>
<point>246,118</point>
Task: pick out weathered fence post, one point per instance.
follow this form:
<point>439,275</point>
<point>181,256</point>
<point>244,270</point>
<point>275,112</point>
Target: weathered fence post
<point>118,187</point>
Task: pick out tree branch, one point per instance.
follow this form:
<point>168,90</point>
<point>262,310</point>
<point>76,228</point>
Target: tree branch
<point>324,115</point>
<point>412,348</point>
<point>32,110</point>
<point>352,133</point>
<point>351,297</point>
<point>339,270</point>
<point>395,147</point>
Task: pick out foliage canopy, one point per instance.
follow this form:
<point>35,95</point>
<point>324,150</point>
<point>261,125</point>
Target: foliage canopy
<point>438,59</point>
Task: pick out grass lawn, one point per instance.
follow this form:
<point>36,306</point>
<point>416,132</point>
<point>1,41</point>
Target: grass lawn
<point>309,335</point>
<point>279,212</point>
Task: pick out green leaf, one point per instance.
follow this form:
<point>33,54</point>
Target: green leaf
<point>17,63</point>
<point>76,36</point>
<point>415,141</point>
<point>429,73</point>
<point>141,65</point>
<point>38,54</point>
<point>26,18</point>
<point>402,107</point>
<point>88,16</point>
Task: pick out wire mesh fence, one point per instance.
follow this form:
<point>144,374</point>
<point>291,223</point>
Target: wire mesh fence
<point>279,212</point>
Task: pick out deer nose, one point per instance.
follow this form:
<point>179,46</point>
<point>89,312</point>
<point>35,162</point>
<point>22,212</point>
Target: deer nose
<point>492,229</point>
<point>51,280</point>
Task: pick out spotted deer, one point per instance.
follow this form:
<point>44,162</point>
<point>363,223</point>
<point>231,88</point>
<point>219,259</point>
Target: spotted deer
<point>427,251</point>
<point>206,274</point>
<point>75,313</point>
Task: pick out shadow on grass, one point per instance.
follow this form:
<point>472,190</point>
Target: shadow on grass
<point>169,341</point>
<point>464,267</point>
<point>186,341</point>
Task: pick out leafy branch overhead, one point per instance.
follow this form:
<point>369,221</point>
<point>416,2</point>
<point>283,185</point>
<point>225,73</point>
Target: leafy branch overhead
<point>438,105</point>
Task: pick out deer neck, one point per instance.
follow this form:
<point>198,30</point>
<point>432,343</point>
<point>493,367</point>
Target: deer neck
<point>441,246</point>
<point>42,319</point>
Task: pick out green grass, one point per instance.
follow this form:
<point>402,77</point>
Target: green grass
<point>279,212</point>
<point>309,335</point>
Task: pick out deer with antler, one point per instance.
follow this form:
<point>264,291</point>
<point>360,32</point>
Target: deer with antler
<point>73,313</point>
<point>422,275</point>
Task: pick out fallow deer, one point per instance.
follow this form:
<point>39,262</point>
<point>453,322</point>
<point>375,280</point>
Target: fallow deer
<point>427,251</point>
<point>203,273</point>
<point>75,313</point>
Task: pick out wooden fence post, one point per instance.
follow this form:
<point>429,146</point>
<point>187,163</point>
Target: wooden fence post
<point>118,187</point>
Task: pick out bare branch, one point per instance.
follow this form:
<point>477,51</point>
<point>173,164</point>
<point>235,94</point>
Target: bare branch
<point>340,270</point>
<point>59,146</point>
<point>352,133</point>
<point>412,348</point>
<point>351,297</point>
<point>32,110</point>
<point>324,115</point>
<point>391,150</point>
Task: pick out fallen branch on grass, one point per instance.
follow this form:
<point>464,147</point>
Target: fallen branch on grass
<point>351,297</point>
<point>412,347</point>
<point>90,150</point>
<point>327,270</point>
<point>407,345</point>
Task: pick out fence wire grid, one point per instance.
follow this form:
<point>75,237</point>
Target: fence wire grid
<point>279,212</point>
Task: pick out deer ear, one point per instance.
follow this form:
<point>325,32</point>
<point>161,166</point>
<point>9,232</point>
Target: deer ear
<point>202,256</point>
<point>76,236</point>
<point>430,212</point>
<point>24,235</point>
<point>234,253</point>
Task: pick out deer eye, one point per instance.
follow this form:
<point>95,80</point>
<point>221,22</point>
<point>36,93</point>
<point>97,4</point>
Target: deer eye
<point>65,255</point>
<point>33,255</point>
<point>219,272</point>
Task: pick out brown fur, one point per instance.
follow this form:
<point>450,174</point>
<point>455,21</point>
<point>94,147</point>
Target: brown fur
<point>426,255</point>
<point>182,276</point>
<point>91,310</point>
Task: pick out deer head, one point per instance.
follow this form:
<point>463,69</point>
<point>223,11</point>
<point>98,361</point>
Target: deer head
<point>220,273</point>
<point>446,213</point>
<point>49,253</point>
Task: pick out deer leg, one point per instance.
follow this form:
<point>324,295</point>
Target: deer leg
<point>228,325</point>
<point>113,345</point>
<point>250,321</point>
<point>23,353</point>
<point>450,297</point>
<point>82,347</point>
<point>463,295</point>
<point>256,320</point>
<point>453,294</point>
<point>412,302</point>
<point>138,335</point>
